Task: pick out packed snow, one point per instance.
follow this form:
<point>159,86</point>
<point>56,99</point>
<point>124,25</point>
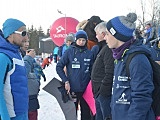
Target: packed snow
<point>49,107</point>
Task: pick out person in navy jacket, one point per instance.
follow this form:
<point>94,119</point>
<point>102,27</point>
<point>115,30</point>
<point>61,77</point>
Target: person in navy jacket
<point>131,97</point>
<point>155,52</point>
<point>78,61</point>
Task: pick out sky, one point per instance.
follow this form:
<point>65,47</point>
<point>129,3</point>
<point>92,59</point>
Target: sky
<point>44,12</point>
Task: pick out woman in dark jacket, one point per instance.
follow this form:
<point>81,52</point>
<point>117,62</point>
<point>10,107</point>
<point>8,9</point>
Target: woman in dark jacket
<point>78,61</point>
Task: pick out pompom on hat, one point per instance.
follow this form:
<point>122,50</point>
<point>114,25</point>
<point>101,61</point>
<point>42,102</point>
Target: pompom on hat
<point>10,26</point>
<point>122,27</point>
<point>81,34</point>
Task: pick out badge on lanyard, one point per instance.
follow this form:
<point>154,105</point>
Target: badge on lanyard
<point>75,63</point>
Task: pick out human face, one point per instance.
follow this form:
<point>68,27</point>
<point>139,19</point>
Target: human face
<point>68,43</point>
<point>17,38</point>
<point>25,45</point>
<point>147,27</point>
<point>81,42</point>
<point>100,36</point>
<point>111,41</point>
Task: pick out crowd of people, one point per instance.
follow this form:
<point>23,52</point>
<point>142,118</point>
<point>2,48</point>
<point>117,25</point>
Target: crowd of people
<point>97,52</point>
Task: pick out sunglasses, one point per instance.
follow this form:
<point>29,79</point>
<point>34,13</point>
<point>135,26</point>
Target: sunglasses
<point>23,33</point>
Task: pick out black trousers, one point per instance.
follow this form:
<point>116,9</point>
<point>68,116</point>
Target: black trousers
<point>85,110</point>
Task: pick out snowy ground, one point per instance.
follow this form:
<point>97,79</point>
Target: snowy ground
<point>49,107</point>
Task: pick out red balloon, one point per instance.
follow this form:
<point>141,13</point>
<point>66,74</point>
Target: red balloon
<point>61,27</point>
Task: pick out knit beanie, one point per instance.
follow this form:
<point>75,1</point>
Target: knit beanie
<point>81,34</point>
<point>10,26</point>
<point>70,37</point>
<point>122,27</point>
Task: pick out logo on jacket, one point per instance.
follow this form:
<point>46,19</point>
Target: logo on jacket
<point>122,99</point>
<point>85,59</point>
<point>75,59</point>
<point>122,78</point>
<point>121,86</point>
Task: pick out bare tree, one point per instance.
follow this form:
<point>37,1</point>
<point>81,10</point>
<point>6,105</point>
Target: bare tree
<point>150,12</point>
<point>143,14</point>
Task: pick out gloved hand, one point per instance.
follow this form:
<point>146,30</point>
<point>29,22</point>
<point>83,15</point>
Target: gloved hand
<point>44,77</point>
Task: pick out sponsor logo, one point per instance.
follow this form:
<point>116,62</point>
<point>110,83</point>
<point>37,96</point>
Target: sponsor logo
<point>122,99</point>
<point>59,29</point>
<point>121,86</point>
<point>122,78</point>
<point>85,59</point>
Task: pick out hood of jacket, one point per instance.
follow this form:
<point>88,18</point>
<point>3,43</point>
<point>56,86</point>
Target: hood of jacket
<point>137,46</point>
<point>7,46</point>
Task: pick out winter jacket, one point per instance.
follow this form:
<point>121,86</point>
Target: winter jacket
<point>45,62</point>
<point>102,72</point>
<point>33,83</point>
<point>62,49</point>
<point>132,98</point>
<point>38,71</point>
<point>78,63</point>
<point>151,34</point>
<point>14,90</point>
<point>155,52</point>
<point>55,51</point>
<point>96,48</point>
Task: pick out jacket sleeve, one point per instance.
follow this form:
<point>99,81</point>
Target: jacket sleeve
<point>141,87</point>
<point>60,66</point>
<point>41,71</point>
<point>106,86</point>
<point>95,50</point>
<point>28,64</point>
<point>60,51</point>
<point>3,108</point>
<point>152,33</point>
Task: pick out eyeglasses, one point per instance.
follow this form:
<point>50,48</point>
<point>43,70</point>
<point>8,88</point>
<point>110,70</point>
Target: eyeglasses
<point>23,33</point>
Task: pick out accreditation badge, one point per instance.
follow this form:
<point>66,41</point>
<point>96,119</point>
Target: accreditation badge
<point>75,63</point>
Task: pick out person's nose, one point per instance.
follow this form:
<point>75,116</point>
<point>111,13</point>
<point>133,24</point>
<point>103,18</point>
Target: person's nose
<point>27,44</point>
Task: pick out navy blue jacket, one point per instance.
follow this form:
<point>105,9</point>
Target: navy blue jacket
<point>78,63</point>
<point>132,98</point>
<point>155,52</point>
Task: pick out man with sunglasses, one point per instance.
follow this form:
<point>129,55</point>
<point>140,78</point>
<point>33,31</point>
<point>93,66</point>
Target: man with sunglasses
<point>13,79</point>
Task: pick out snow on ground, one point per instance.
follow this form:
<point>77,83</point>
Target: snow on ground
<point>49,107</point>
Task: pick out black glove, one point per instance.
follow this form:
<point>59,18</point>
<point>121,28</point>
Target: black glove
<point>44,77</point>
<point>65,96</point>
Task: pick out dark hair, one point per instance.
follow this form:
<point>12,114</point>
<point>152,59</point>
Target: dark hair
<point>148,24</point>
